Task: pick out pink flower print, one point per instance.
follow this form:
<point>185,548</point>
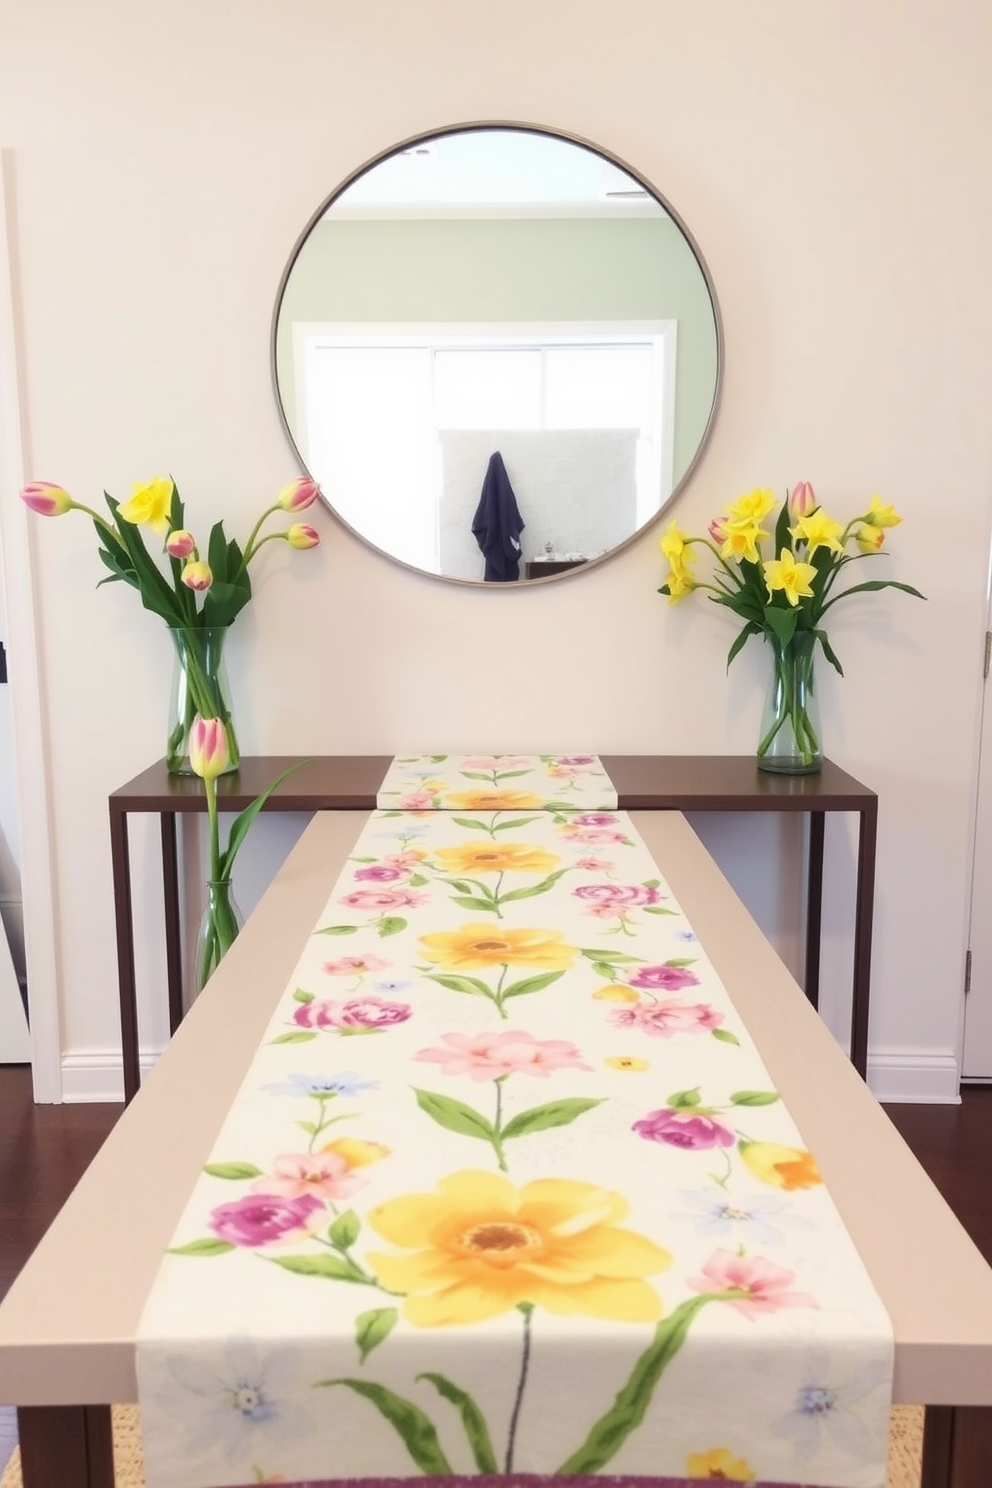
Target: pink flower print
<point>684,1128</point>
<point>381,873</point>
<point>766,1284</point>
<point>418,800</point>
<point>355,965</point>
<point>595,835</point>
<point>357,1012</point>
<point>576,761</point>
<point>258,1219</point>
<point>595,865</point>
<point>383,899</point>
<point>407,859</point>
<point>618,896</point>
<point>488,1056</point>
<point>664,978</point>
<point>595,819</point>
<point>606,911</point>
<point>666,1019</point>
<point>319,1173</point>
<point>495,762</point>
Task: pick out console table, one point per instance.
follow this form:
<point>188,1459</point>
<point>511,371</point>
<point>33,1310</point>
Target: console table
<point>726,783</point>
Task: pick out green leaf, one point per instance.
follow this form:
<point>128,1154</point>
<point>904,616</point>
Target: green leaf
<point>538,888</point>
<point>417,1431</point>
<point>232,1170</point>
<point>657,909</point>
<point>242,823</point>
<point>471,823</point>
<point>470,985</point>
<point>518,821</point>
<point>618,958</point>
<point>202,1248</point>
<point>373,1328</point>
<point>554,1113</point>
<point>303,1037</point>
<point>300,996</point>
<point>782,622</point>
<point>610,1432</point>
<point>417,880</point>
<point>681,1099</point>
<point>751,628</point>
<point>754,1098</point>
<point>783,537</point>
<point>473,1421</point>
<point>391,925</point>
<point>828,651</point>
<point>325,1267</point>
<point>337,930</point>
<point>532,984</point>
<point>483,906</point>
<point>345,1230</point>
<point>725,1036</point>
<point>454,1115</point>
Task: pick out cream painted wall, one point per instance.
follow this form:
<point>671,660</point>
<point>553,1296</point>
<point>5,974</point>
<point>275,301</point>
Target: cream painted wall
<point>832,165</point>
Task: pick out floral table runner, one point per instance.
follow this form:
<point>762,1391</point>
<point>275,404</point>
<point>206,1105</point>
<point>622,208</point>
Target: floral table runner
<point>497,782</point>
<point>507,1192</point>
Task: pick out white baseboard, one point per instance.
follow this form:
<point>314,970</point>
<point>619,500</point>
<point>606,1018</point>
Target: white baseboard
<point>912,1077</point>
<point>91,1075</point>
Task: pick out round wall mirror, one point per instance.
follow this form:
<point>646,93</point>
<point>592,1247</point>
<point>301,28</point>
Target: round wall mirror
<point>498,350</point>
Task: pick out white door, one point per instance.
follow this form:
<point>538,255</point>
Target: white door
<point>977,1063</point>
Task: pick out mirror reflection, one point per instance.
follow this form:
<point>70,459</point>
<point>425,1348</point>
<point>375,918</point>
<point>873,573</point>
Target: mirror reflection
<point>498,352</point>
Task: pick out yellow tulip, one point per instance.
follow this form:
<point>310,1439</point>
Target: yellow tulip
<point>792,578</point>
<point>357,1154</point>
<point>818,531</point>
<point>781,1167</point>
<point>880,515</point>
<point>869,539</point>
<point>613,992</point>
<point>754,507</point>
<point>149,505</point>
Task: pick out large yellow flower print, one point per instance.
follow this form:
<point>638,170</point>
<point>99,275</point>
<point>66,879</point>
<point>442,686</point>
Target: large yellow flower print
<point>480,1246</point>
<point>493,800</point>
<point>496,857</point>
<point>476,945</point>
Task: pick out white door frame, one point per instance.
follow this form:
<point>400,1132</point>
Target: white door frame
<point>30,736</point>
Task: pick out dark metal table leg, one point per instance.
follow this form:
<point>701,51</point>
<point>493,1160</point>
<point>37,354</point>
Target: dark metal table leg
<point>125,952</point>
<point>173,931</point>
<point>66,1446</point>
<point>957,1446</point>
<point>814,906</point>
<point>867,836</point>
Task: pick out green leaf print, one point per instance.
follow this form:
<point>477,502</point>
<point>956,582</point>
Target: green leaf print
<point>725,1036</point>
<point>555,1113</point>
<point>345,1230</point>
<point>471,985</point>
<point>754,1098</point>
<point>205,1247</point>
<point>373,1328</point>
<point>301,996</point>
<point>473,1421</point>
<point>392,924</point>
<point>538,888</point>
<point>294,1038</point>
<point>518,821</point>
<point>337,930</point>
<point>531,984</point>
<point>232,1170</point>
<point>326,1267</point>
<point>417,1430</point>
<point>454,1115</point>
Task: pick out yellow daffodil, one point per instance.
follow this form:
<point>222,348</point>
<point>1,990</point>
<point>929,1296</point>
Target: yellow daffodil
<point>792,578</point>
<point>818,531</point>
<point>741,539</point>
<point>149,505</point>
<point>475,946</point>
<point>720,1463</point>
<point>781,1167</point>
<point>674,546</point>
<point>869,539</point>
<point>880,515</point>
<point>493,800</point>
<point>480,1246</point>
<point>679,585</point>
<point>754,507</point>
<point>495,857</point>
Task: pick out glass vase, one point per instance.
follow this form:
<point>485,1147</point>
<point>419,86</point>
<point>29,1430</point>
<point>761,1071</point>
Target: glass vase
<point>791,741</point>
<point>199,685</point>
<point>220,926</point>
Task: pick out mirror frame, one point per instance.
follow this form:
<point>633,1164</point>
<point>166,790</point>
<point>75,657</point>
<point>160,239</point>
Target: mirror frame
<point>480,126</point>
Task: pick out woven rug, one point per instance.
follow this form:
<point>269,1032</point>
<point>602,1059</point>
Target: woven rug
<point>905,1450</point>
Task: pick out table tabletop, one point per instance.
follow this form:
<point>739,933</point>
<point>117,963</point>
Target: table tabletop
<point>62,1343</point>
<point>643,781</point>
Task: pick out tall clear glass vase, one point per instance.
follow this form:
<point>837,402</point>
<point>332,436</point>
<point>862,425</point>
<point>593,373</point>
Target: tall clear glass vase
<point>791,740</point>
<point>199,685</point>
<point>219,928</point>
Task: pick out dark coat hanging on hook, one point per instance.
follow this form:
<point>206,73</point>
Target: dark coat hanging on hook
<point>497,523</point>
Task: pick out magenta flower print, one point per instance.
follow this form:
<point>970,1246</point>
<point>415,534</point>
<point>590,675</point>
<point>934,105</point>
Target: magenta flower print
<point>618,896</point>
<point>369,1012</point>
<point>381,873</point>
<point>383,899</point>
<point>575,761</point>
<point>664,978</point>
<point>355,965</point>
<point>323,1174</point>
<point>258,1219</point>
<point>684,1128</point>
<point>668,1018</point>
<point>594,836</point>
<point>489,1056</point>
<point>595,819</point>
<point>767,1286</point>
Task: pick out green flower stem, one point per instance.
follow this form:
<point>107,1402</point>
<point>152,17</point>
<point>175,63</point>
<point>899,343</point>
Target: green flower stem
<point>498,1126</point>
<point>527,1308</point>
<point>251,547</point>
<point>498,994</point>
<point>100,521</point>
<point>793,664</point>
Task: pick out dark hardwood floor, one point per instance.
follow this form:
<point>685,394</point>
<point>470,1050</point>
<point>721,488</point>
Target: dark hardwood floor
<point>44,1151</point>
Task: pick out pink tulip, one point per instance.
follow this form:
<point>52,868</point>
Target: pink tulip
<point>209,755</point>
<point>802,501</point>
<point>46,499</point>
<point>298,495</point>
<point>198,576</point>
<point>716,530</point>
<point>180,544</point>
<point>302,536</point>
